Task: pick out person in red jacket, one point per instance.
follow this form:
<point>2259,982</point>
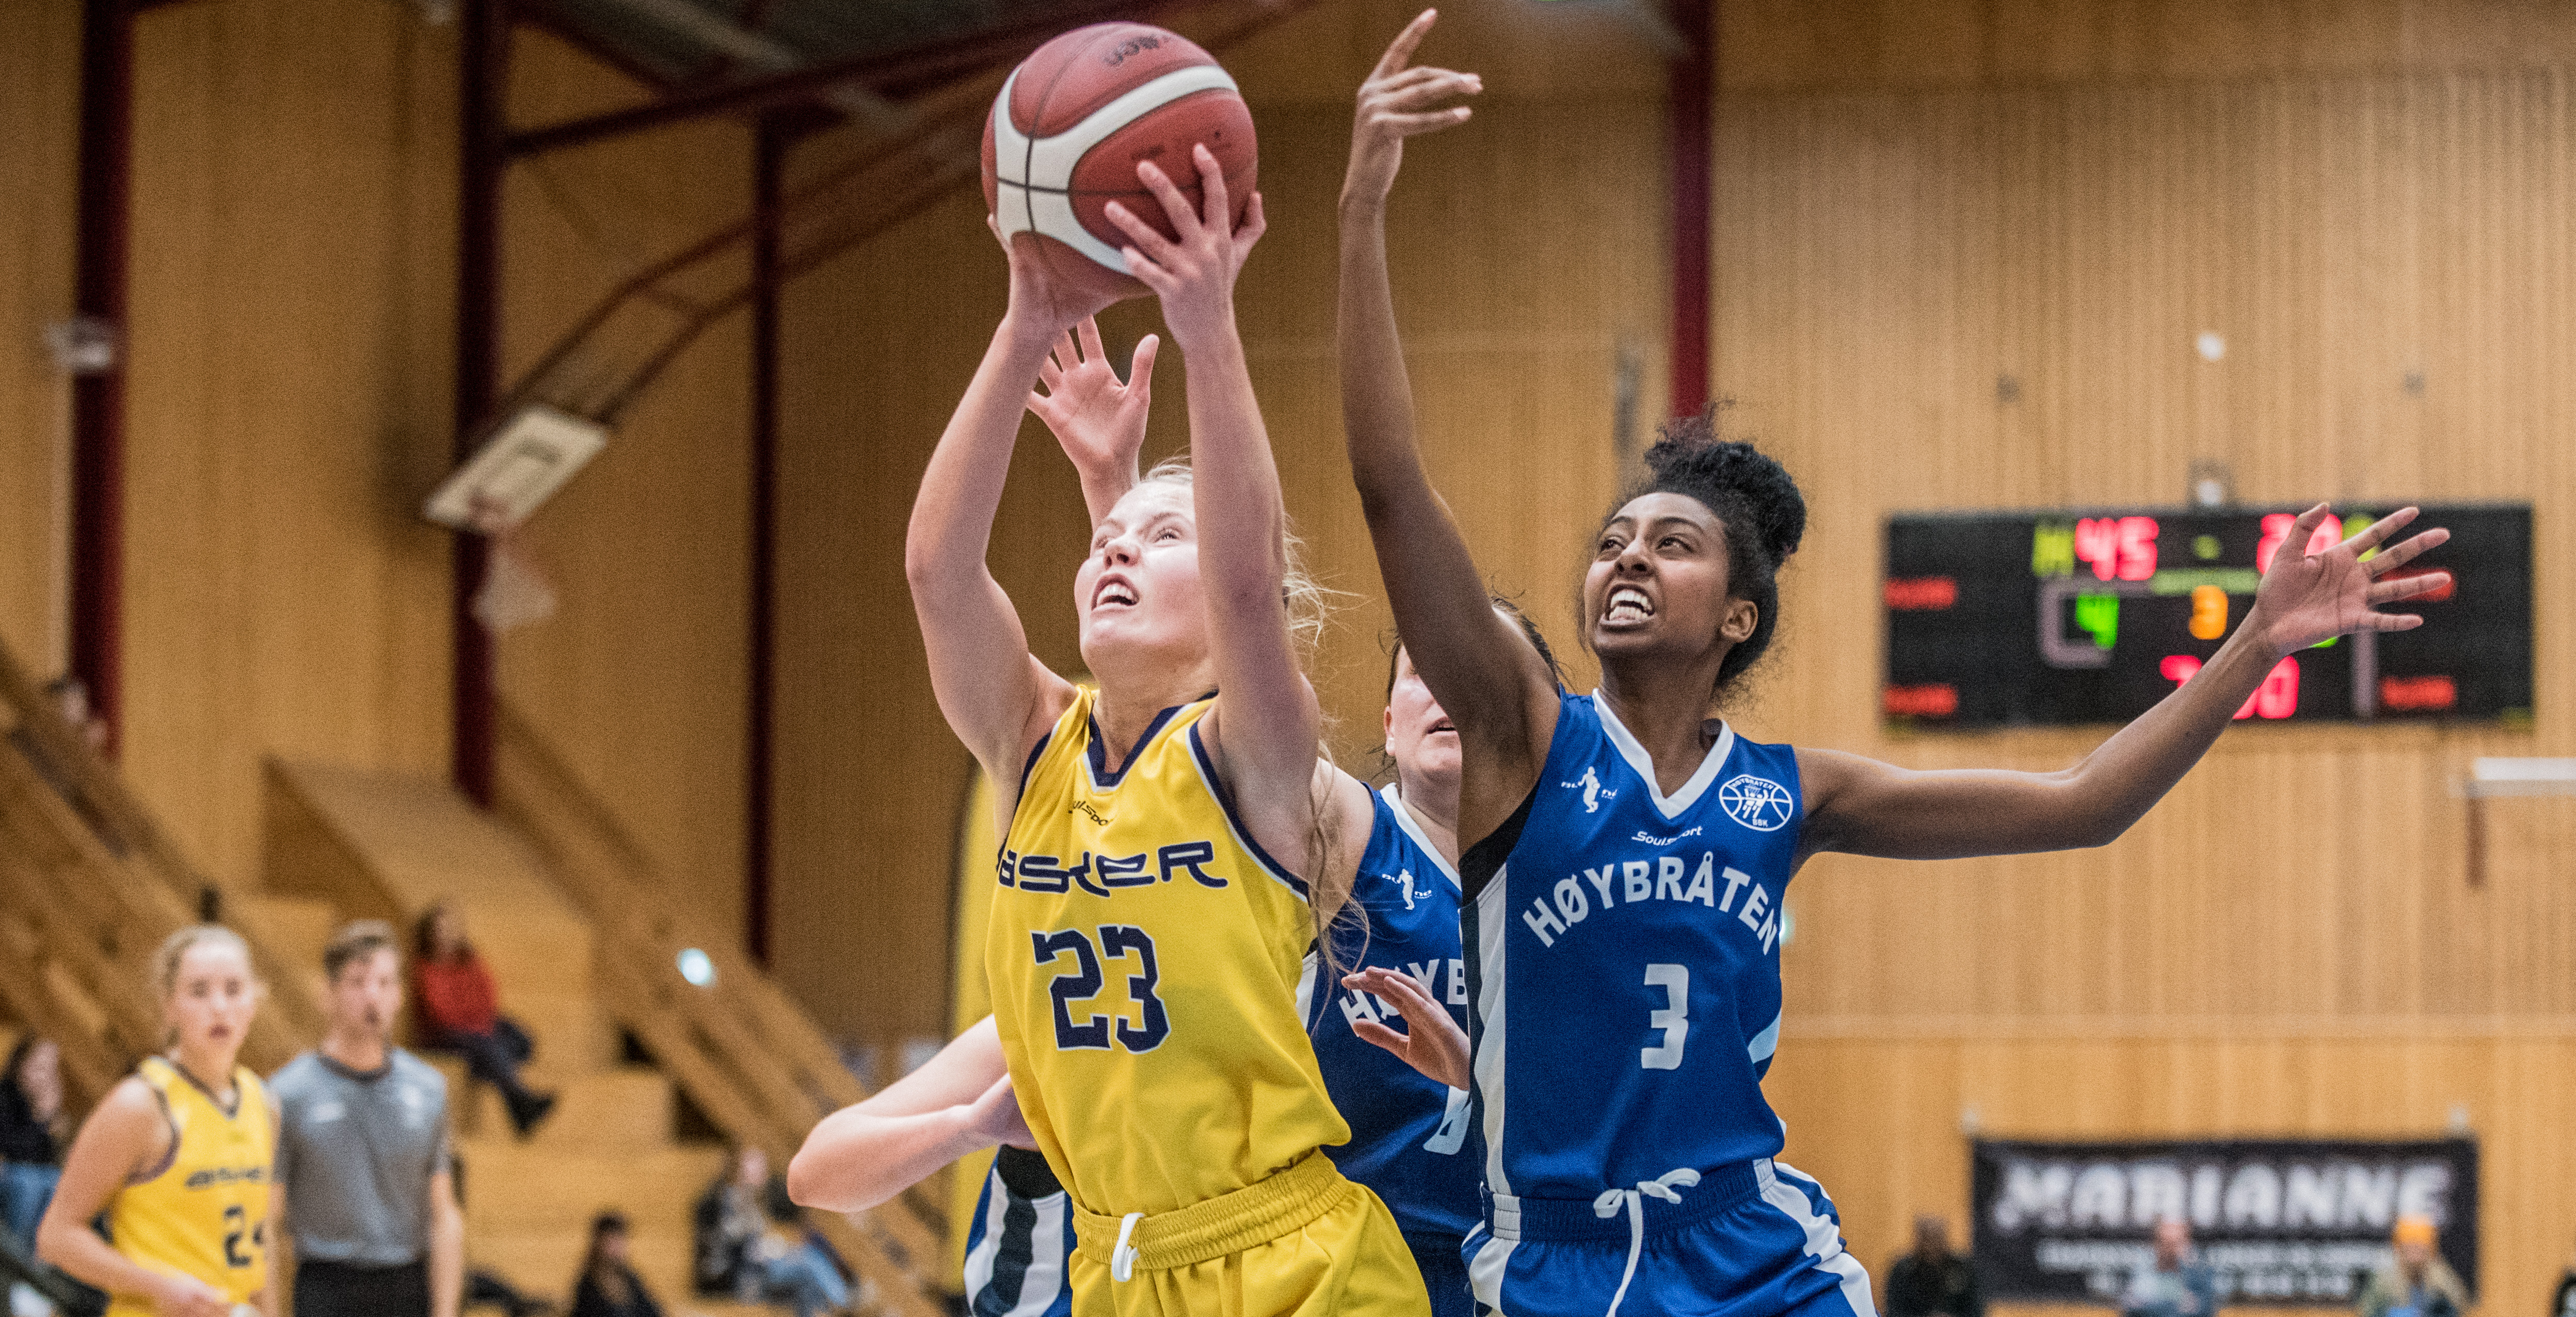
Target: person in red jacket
<point>459,1011</point>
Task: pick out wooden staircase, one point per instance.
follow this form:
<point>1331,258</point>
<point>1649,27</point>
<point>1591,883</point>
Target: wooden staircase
<point>585,948</point>
<point>89,887</point>
<point>566,910</point>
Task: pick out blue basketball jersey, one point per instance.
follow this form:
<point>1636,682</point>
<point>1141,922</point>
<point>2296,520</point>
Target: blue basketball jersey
<point>1625,963</point>
<point>1018,1242</point>
<point>1408,1132</point>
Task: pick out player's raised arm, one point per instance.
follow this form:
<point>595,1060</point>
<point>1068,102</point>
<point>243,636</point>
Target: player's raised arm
<point>998,698</point>
<point>1268,724</point>
<point>1870,808</point>
<point>1096,419</point>
<point>1493,684</point>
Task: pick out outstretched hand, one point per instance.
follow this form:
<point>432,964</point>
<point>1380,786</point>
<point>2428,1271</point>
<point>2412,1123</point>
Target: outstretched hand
<point>1099,420</point>
<point>1042,307</point>
<point>1396,103</point>
<point>2306,598</point>
<point>1195,275</point>
<point>1432,1041</point>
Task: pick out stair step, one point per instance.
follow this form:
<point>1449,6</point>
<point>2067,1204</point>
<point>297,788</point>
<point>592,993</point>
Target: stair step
<point>546,1262</point>
<point>573,1035</point>
<point>623,1110</point>
<point>546,1187</point>
<point>296,928</point>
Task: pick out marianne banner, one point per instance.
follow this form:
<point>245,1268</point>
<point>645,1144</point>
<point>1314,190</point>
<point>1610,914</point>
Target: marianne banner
<point>2294,1222</point>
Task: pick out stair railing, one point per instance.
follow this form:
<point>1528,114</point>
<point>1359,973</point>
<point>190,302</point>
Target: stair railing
<point>89,887</point>
<point>737,1046</point>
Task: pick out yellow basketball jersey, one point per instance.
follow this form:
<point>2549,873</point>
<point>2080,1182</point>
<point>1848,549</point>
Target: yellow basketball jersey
<point>1144,956</point>
<point>205,1214</point>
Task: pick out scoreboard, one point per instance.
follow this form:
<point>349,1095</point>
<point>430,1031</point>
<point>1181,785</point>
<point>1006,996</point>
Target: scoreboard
<point>2054,618</point>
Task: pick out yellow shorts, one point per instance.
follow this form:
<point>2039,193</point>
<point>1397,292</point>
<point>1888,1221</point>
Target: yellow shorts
<point>1305,1241</point>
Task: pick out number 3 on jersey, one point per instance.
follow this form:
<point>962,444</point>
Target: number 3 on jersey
<point>1673,1020</point>
<point>1085,982</point>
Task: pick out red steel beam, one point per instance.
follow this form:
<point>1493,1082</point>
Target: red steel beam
<point>1691,105</point>
<point>98,399</point>
<point>769,168</point>
<point>484,73</point>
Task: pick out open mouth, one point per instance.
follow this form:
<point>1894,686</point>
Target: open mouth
<point>1627,604</point>
<point>1113,591</point>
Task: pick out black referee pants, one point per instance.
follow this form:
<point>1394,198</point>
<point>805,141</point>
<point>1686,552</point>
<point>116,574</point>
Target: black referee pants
<point>340,1289</point>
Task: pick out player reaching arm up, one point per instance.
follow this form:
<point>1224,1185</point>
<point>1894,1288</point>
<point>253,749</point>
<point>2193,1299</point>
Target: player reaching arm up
<point>1626,854</point>
<point>1168,835</point>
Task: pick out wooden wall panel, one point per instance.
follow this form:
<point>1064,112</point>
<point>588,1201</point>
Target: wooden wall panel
<point>2288,943</point>
<point>40,106</point>
<point>639,681</point>
<point>286,403</point>
<point>1806,45</point>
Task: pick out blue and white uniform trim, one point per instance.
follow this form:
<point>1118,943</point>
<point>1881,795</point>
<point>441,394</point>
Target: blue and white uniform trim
<point>1019,1240</point>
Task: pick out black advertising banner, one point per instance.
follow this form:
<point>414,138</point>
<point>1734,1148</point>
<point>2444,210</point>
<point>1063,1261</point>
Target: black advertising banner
<point>2281,1221</point>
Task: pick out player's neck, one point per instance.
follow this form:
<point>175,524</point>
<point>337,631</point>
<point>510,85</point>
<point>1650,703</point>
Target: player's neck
<point>1432,800</point>
<point>1667,711</point>
<point>211,1071</point>
<point>362,1050</point>
<point>1131,701</point>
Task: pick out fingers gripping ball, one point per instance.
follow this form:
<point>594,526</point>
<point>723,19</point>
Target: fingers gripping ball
<point>1076,117</point>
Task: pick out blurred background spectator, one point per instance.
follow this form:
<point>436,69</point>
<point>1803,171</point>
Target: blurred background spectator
<point>1932,1281</point>
<point>459,1010</point>
<point>753,1247</point>
<point>2416,1282</point>
<point>2175,1285</point>
<point>31,1105</point>
<point>609,1286</point>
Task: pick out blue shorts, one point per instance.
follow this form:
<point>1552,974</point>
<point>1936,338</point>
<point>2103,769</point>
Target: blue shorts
<point>1755,1239</point>
<point>1444,1273</point>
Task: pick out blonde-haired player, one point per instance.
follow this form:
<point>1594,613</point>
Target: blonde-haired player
<point>178,1155</point>
<point>1166,834</point>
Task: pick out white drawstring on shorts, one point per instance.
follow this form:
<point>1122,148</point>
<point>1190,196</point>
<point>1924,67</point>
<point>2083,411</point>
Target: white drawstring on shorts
<point>1122,1259</point>
<point>1611,1200</point>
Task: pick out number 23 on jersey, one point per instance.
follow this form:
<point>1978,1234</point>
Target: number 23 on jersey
<point>1079,984</point>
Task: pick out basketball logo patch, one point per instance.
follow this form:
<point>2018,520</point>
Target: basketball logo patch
<point>1756,802</point>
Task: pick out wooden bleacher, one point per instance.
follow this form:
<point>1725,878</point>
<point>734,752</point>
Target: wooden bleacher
<point>564,907</point>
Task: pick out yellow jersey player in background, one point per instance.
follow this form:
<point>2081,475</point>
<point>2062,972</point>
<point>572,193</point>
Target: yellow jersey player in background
<point>1172,839</point>
<point>178,1155</point>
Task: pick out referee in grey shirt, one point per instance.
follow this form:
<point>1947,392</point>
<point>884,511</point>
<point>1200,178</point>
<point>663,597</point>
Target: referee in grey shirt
<point>362,1153</point>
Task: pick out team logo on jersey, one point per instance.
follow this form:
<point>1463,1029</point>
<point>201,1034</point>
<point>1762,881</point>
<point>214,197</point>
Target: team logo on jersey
<point>1756,802</point>
<point>1406,878</point>
<point>1593,791</point>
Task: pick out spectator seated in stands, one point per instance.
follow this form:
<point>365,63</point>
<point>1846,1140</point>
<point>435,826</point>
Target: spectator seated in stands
<point>31,1104</point>
<point>609,1286</point>
<point>2416,1282</point>
<point>1932,1281</point>
<point>753,1246</point>
<point>459,1010</point>
<point>2176,1285</point>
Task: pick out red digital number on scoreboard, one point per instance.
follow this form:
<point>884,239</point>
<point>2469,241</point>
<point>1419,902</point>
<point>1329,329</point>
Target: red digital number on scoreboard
<point>2277,697</point>
<point>2122,548</point>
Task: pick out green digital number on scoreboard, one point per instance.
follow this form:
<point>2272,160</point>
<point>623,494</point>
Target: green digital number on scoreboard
<point>2052,618</point>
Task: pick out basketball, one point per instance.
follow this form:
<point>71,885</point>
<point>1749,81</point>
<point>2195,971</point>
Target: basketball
<point>1075,118</point>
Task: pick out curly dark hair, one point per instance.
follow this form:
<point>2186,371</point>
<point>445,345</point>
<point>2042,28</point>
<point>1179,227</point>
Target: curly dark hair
<point>1753,498</point>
